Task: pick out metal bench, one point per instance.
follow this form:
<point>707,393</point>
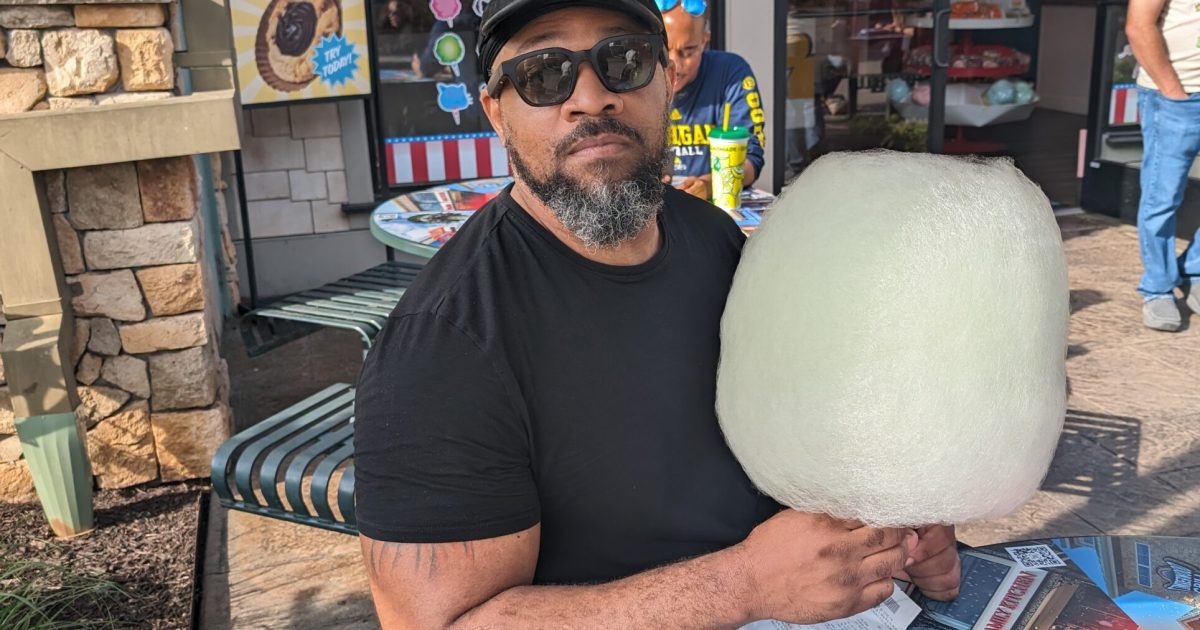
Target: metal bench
<point>297,465</point>
<point>361,303</point>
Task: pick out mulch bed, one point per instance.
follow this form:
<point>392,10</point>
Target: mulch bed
<point>145,541</point>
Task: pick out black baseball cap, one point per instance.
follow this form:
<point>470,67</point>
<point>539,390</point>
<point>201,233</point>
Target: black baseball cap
<point>503,18</point>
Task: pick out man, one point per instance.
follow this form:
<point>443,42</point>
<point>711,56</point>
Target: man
<point>1165,37</point>
<point>705,81</point>
<point>535,443</point>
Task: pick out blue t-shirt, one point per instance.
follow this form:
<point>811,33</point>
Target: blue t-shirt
<point>723,78</point>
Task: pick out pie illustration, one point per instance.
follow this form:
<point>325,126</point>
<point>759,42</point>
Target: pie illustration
<point>287,34</point>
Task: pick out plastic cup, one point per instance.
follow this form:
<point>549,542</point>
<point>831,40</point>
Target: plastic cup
<point>727,151</point>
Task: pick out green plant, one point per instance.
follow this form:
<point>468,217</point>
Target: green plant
<point>869,126</point>
<point>907,135</point>
<point>39,596</point>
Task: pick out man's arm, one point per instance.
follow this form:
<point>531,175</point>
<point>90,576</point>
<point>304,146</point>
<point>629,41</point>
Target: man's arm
<point>796,567</point>
<point>1149,46</point>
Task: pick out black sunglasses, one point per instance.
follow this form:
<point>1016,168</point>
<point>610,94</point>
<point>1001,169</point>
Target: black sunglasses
<point>547,77</point>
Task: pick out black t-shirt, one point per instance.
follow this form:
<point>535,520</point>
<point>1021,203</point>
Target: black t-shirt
<point>518,382</point>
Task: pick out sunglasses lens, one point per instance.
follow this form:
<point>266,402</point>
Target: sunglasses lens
<point>545,79</point>
<point>626,64</point>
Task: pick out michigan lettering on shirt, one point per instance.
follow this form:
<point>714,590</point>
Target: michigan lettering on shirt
<point>724,78</point>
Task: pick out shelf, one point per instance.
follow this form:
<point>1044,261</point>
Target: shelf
<point>974,24</point>
<point>841,12</point>
<point>969,114</point>
<point>973,73</point>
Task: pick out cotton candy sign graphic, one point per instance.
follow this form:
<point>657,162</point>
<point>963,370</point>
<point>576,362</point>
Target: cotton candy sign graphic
<point>453,98</point>
<point>446,10</point>
<point>479,5</point>
<point>335,60</point>
<point>449,50</point>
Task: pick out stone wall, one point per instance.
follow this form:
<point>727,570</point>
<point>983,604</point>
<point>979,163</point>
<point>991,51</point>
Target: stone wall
<point>15,481</point>
<point>152,386</point>
<point>295,171</point>
<point>62,57</point>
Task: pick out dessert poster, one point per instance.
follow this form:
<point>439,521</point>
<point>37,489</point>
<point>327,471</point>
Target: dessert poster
<point>295,50</point>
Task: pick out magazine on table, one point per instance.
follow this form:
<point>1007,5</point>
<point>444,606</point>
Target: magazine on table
<point>1080,583</point>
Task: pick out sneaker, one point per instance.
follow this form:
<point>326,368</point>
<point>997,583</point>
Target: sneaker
<point>1193,301</point>
<point>1162,314</point>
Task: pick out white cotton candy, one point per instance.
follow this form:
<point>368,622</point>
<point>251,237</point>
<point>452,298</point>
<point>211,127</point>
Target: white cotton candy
<point>893,348</point>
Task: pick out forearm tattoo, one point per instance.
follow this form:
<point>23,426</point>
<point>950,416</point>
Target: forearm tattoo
<point>390,558</point>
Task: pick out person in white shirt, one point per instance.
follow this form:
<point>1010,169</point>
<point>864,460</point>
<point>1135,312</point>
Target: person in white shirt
<point>1165,37</point>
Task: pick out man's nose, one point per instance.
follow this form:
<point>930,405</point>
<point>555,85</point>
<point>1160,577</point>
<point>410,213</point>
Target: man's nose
<point>590,97</point>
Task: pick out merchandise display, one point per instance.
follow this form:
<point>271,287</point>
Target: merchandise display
<point>430,123</point>
<point>894,344</point>
<point>972,61</point>
<point>975,10</point>
<point>968,105</point>
<point>1002,92</point>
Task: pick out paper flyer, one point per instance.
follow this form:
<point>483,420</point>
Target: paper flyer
<point>895,613</point>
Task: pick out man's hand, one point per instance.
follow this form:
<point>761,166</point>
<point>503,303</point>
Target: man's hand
<point>810,568</point>
<point>697,187</point>
<point>936,569</point>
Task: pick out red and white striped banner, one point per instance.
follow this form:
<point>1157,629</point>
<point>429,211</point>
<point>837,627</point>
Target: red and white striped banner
<point>1124,107</point>
<point>446,160</point>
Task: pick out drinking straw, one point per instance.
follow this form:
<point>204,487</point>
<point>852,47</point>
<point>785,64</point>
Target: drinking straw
<point>725,125</point>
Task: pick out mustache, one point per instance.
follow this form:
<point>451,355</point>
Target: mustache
<point>594,127</point>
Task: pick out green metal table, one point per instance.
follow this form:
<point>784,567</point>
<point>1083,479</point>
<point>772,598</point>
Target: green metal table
<point>420,222</point>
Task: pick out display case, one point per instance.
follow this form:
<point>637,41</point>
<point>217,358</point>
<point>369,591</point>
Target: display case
<point>429,125</point>
<point>1113,144</point>
<point>840,55</point>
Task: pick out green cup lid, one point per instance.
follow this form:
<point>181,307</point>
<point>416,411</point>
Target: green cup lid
<point>732,133</point>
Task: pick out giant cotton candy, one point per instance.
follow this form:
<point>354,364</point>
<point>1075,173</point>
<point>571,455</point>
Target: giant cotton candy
<point>893,346</point>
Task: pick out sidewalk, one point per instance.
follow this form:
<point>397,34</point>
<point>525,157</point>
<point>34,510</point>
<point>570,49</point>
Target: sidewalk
<point>1128,461</point>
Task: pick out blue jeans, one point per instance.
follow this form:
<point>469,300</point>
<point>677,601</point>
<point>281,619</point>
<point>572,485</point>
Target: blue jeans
<point>1171,140</point>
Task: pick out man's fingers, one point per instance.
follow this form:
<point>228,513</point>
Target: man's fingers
<point>698,188</point>
<point>934,539</point>
<point>941,596</point>
<point>686,183</point>
<point>940,577</point>
<point>884,564</point>
<point>876,593</point>
<point>940,564</point>
<point>879,538</point>
<point>848,523</point>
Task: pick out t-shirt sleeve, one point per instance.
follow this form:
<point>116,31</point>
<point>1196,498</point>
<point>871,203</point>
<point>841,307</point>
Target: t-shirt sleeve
<point>746,109</point>
<point>441,453</point>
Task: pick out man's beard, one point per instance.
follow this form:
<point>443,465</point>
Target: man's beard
<point>603,213</point>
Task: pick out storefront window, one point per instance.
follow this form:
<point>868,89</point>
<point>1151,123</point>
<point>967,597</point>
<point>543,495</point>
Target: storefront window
<point>431,127</point>
<point>841,55</point>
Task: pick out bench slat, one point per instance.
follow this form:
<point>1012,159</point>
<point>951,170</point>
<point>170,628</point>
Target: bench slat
<point>293,478</point>
<point>323,476</point>
<point>268,472</point>
<point>243,472</point>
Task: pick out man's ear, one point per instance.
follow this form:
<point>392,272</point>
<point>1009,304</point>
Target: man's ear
<point>670,72</point>
<point>491,109</point>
